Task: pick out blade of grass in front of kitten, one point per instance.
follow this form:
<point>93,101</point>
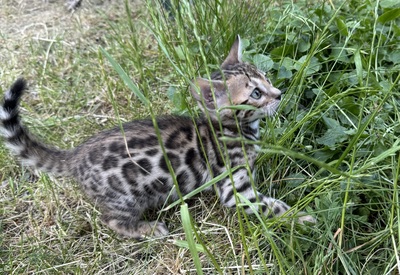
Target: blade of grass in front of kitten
<point>187,227</point>
<point>204,186</point>
<point>127,80</point>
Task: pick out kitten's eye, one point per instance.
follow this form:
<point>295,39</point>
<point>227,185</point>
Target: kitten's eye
<point>256,94</point>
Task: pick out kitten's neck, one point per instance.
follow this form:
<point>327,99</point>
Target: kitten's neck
<point>248,130</point>
<point>251,130</point>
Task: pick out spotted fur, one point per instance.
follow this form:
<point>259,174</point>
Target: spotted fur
<point>125,172</point>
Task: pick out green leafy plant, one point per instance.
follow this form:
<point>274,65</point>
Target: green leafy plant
<point>340,71</point>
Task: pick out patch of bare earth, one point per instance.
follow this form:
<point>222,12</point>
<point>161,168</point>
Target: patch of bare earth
<point>26,24</point>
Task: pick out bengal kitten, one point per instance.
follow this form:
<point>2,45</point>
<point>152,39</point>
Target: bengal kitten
<point>125,172</point>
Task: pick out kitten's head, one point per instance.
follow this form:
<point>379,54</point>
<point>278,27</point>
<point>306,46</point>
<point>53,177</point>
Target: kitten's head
<point>237,83</point>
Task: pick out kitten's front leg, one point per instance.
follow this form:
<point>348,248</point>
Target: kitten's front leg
<point>270,207</point>
<point>274,208</point>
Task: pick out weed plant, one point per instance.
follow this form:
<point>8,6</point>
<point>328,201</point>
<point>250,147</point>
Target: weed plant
<point>332,150</point>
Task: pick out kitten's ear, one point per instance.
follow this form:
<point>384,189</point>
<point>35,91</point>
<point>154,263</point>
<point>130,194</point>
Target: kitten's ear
<point>206,88</point>
<point>235,54</point>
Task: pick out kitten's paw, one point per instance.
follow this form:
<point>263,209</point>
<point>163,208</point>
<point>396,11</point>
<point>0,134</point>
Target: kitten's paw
<point>152,229</point>
<point>139,230</point>
<point>304,218</point>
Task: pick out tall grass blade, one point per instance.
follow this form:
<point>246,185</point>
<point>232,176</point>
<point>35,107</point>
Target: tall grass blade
<point>127,80</point>
<point>187,227</point>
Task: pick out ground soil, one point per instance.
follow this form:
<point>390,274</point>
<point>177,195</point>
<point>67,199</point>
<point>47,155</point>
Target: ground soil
<point>25,23</point>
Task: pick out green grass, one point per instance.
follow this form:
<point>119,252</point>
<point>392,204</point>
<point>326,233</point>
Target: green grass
<point>332,151</point>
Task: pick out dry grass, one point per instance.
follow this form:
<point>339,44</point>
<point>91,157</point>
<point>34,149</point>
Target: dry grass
<point>46,224</point>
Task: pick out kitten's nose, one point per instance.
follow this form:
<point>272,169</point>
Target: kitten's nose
<point>282,92</point>
<point>276,93</point>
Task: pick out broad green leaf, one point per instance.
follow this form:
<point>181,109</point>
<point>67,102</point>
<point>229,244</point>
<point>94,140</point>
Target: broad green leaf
<point>282,51</point>
<point>245,43</point>
<point>287,62</point>
<point>330,123</point>
<point>340,54</point>
<point>389,15</point>
<point>311,68</point>
<point>304,45</point>
<point>263,62</point>
<point>388,3</point>
<point>394,56</point>
<point>348,103</point>
<point>283,73</point>
<point>342,27</point>
<point>332,137</point>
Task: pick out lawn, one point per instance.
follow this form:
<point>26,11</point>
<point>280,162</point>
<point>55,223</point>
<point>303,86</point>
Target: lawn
<point>333,150</point>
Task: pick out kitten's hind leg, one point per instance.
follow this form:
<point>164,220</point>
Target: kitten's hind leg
<point>127,227</point>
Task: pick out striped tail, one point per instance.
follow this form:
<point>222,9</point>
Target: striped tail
<point>17,139</point>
